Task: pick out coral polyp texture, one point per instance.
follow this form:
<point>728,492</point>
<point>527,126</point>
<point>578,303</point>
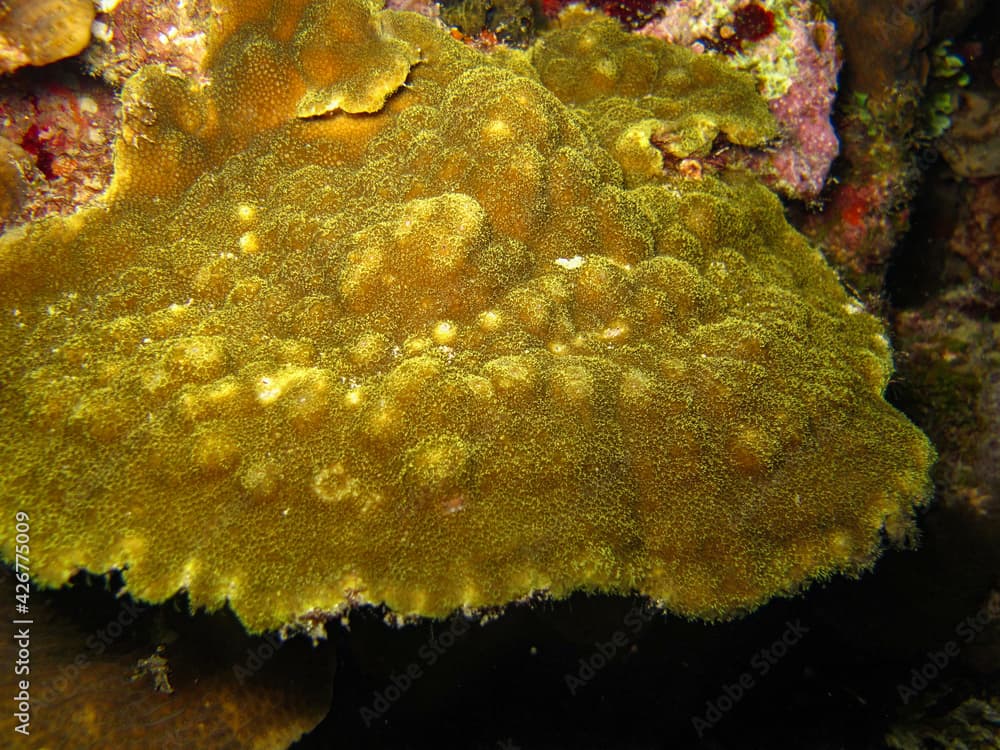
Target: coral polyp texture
<point>37,32</point>
<point>467,344</point>
<point>790,47</point>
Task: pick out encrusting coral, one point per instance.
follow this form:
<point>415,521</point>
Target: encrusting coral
<point>37,32</point>
<point>374,316</point>
<point>15,164</point>
<point>790,48</point>
<point>645,99</point>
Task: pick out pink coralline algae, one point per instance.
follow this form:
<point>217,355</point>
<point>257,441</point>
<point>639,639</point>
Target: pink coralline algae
<point>64,127</point>
<point>427,8</point>
<point>802,161</point>
<point>61,123</point>
<point>791,48</point>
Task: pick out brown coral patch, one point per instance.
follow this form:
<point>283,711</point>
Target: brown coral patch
<point>134,676</point>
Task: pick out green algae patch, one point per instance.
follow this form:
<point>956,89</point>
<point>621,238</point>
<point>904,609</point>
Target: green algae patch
<point>443,354</point>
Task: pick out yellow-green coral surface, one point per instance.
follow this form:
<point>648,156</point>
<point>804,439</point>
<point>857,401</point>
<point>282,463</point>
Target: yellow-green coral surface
<point>377,317</point>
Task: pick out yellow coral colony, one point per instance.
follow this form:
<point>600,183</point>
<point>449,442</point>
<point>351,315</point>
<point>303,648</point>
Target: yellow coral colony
<point>38,32</point>
<point>377,317</point>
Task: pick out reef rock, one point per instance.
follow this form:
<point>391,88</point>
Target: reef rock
<point>375,317</point>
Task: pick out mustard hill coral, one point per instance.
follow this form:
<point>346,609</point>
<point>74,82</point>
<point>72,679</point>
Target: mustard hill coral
<point>644,92</point>
<point>37,32</point>
<point>790,47</point>
<point>467,345</point>
<point>15,166</point>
